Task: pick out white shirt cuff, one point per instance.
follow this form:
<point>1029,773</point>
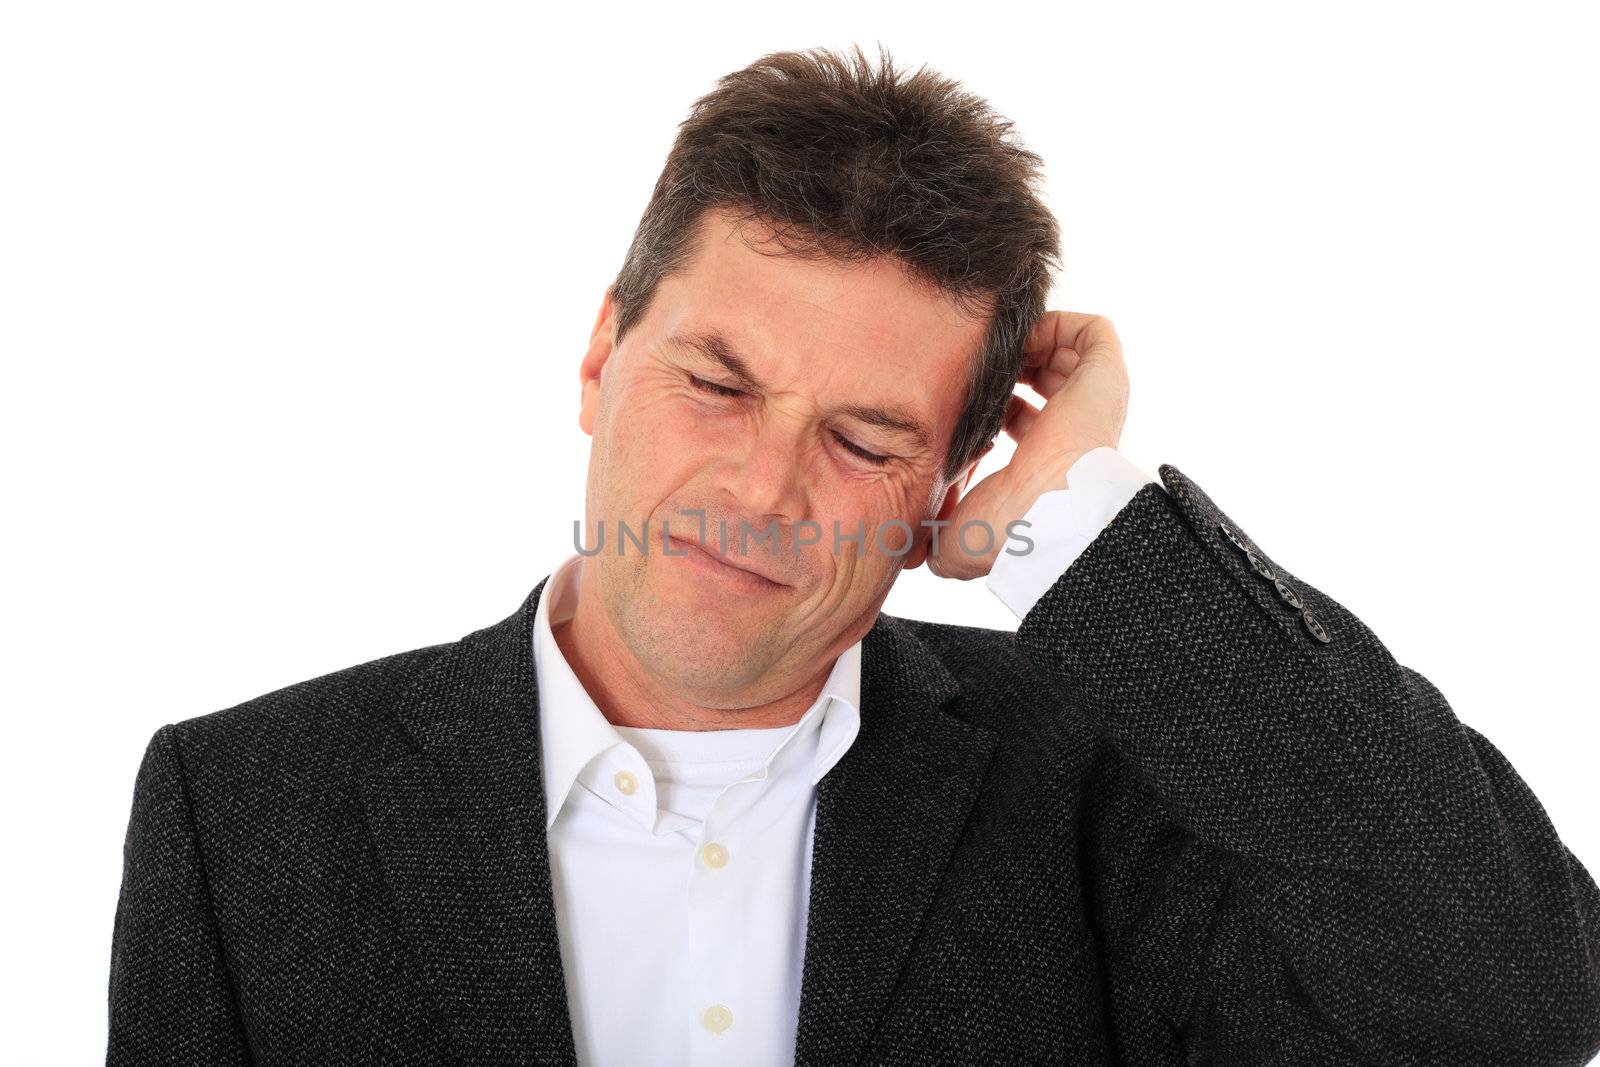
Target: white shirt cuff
<point>1061,523</point>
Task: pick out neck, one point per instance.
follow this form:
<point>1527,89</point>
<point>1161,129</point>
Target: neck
<point>629,695</point>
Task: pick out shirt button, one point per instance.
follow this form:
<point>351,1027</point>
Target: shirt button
<point>717,1018</point>
<point>714,855</point>
<point>626,783</point>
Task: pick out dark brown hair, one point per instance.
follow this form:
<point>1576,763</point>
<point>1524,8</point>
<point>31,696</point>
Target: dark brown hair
<point>837,159</point>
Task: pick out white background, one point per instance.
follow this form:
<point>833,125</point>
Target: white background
<point>292,299</point>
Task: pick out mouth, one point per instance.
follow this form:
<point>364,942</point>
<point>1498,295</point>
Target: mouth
<point>707,559</point>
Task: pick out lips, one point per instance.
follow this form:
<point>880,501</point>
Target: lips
<point>740,563</point>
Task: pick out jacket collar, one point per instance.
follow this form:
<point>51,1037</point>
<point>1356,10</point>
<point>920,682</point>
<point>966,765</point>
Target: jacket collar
<point>458,826</point>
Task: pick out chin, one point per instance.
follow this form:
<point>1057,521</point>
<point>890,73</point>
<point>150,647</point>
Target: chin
<point>715,652</point>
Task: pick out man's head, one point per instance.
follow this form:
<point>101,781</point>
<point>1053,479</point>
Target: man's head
<point>817,328</point>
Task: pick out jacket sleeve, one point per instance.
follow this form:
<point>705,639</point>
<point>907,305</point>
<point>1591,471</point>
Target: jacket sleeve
<point>171,1000</point>
<point>1395,893</point>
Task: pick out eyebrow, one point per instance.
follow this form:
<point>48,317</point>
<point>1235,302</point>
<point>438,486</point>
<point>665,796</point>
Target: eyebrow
<point>712,345</point>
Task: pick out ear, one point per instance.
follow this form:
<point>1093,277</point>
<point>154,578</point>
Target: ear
<point>594,361</point>
<point>947,507</point>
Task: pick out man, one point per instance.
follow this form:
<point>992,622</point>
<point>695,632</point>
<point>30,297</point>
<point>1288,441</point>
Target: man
<point>699,801</point>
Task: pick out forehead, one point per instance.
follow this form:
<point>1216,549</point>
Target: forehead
<point>819,318</point>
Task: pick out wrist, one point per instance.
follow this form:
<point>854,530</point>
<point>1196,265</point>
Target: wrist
<point>1045,477</point>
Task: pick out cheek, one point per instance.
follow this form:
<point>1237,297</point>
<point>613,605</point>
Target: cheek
<point>868,508</point>
<point>653,444</point>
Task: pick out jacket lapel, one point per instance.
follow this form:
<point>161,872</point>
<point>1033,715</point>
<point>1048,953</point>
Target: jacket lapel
<point>889,815</point>
<point>459,830</point>
<point>458,827</point>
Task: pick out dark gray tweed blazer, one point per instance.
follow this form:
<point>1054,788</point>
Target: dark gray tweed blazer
<point>1165,822</point>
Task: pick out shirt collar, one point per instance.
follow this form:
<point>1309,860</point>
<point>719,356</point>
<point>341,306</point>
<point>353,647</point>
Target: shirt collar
<point>573,730</point>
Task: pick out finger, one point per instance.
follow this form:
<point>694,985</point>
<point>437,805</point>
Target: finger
<point>1077,330</point>
<point>1047,380</point>
<point>1019,418</point>
<point>1065,329</point>
<point>1055,329</point>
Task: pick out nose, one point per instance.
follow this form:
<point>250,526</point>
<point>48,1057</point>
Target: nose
<point>764,480</point>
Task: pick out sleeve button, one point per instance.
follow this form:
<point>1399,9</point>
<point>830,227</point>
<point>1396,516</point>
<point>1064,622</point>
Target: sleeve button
<point>1233,538</point>
<point>1314,624</point>
<point>1259,565</point>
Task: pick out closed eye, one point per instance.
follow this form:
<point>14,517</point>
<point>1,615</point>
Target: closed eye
<point>714,387</point>
<point>718,389</point>
<point>856,450</point>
